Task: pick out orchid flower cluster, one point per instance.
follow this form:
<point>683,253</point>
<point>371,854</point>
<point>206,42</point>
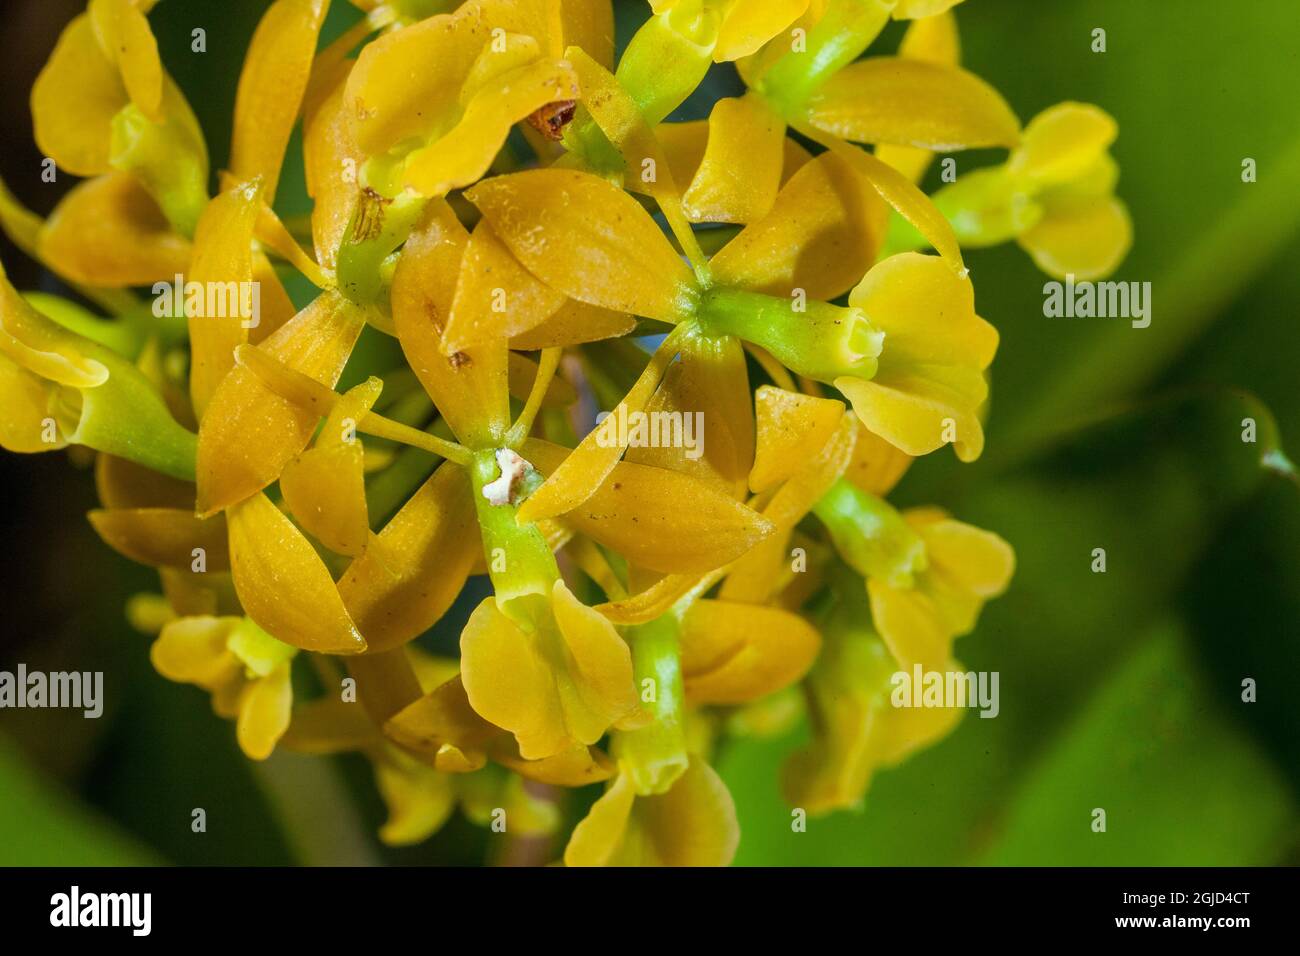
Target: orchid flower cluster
<point>496,195</point>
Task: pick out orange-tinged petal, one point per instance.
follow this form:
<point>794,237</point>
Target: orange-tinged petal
<point>442,724</point>
<point>496,297</point>
<point>693,824</point>
<point>414,568</point>
<point>433,57</point>
<point>911,102</point>
<point>265,707</point>
<point>283,584</point>
<point>572,768</point>
<point>74,100</point>
<point>560,686</point>
<point>325,486</point>
<point>751,23</point>
<point>740,171</point>
<point>821,235</point>
<point>614,255</point>
<point>1061,142</point>
<point>792,428</point>
<point>877,466</point>
<point>573,323</point>
<point>908,201</point>
<point>253,431</point>
<point>332,162</point>
<point>578,477</point>
<point>637,511</point>
<point>124,484</point>
<point>464,154</point>
<point>271,87</point>
<point>222,254</point>
<point>109,232</point>
<point>1087,238</point>
<point>709,389</point>
<point>470,388</point>
<point>652,602</point>
<point>735,653</point>
<point>126,40</point>
<point>163,536</point>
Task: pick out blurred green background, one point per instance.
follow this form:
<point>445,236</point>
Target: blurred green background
<point>1119,690</point>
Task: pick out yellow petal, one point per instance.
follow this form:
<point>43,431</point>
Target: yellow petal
<point>908,201</point>
<point>919,411</point>
<point>911,625</point>
<point>791,429</point>
<point>709,387</point>
<point>736,653</point>
<point>877,466</point>
<point>933,39</point>
<point>1062,142</point>
<point>1086,238</point>
<point>252,431</point>
<point>496,297</point>
<point>589,24</point>
<point>109,232</point>
<point>442,720</point>
<point>464,154</point>
<point>822,235</point>
<point>560,686</point>
<point>126,40</point>
<point>271,87</point>
<point>325,487</point>
<point>163,536</point>
<point>433,57</point>
<point>916,9</point>
<point>283,584</point>
<point>910,102</point>
<point>417,564</point>
<point>573,323</point>
<point>572,768</point>
<point>332,162</point>
<point>193,650</point>
<point>25,400</point>
<point>41,346</point>
<point>693,824</point>
<point>751,23</point>
<point>969,558</point>
<point>74,100</point>
<point>740,171</point>
<point>264,710</point>
<point>222,254</point>
<point>328,725</point>
<point>419,799</point>
<point>124,484</point>
<point>578,477</point>
<point>652,602</point>
<point>614,254</point>
<point>637,512</point>
<point>468,388</point>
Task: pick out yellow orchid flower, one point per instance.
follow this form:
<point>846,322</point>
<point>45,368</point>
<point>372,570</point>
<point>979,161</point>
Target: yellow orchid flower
<point>692,824</point>
<point>244,668</point>
<point>1055,195</point>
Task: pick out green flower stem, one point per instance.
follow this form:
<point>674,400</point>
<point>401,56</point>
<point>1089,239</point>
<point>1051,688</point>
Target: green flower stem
<point>870,535</point>
<point>837,40</point>
<point>520,562</point>
<point>655,755</point>
<point>821,341</point>
<point>377,227</point>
